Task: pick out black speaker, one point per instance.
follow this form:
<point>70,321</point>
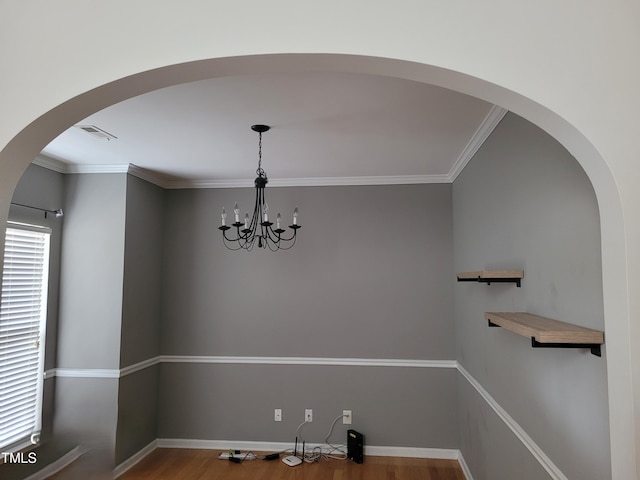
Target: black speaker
<point>355,446</point>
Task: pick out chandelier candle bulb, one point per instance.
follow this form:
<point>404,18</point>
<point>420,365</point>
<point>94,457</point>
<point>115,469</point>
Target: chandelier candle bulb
<point>224,217</point>
<point>295,216</point>
<point>246,221</point>
<point>236,211</point>
<point>278,217</point>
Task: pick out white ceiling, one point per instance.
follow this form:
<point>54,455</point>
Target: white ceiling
<point>326,128</point>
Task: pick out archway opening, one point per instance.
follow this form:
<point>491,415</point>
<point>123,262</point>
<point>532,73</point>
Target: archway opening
<point>21,150</point>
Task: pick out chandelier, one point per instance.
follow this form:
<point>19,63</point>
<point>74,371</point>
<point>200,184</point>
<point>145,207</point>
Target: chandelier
<point>258,227</point>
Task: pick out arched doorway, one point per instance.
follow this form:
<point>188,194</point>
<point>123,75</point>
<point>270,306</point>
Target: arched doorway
<point>23,147</point>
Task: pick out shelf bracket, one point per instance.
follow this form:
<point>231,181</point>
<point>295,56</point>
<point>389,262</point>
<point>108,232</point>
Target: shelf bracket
<point>488,281</point>
<point>500,280</point>
<point>594,347</point>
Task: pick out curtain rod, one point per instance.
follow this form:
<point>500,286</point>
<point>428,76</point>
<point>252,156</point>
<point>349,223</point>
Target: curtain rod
<point>58,213</point>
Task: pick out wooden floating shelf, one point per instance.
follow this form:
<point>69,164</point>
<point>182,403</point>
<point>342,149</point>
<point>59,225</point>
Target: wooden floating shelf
<point>489,276</point>
<point>546,332</point>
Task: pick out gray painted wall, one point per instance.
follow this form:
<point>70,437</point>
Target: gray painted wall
<point>86,412</point>
<point>109,311</point>
<point>369,277</point>
<point>92,271</point>
<point>140,336</point>
<point>409,407</point>
<point>523,202</point>
<point>91,310</point>
<point>140,332</point>
<point>489,447</point>
<point>137,412</point>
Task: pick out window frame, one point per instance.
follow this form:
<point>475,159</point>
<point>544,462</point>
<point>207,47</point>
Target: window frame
<point>31,439</point>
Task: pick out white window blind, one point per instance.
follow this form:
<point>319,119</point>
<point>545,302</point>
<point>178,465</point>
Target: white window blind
<point>22,328</point>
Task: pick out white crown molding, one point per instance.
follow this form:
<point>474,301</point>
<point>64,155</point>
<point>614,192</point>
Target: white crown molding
<point>50,163</point>
<point>150,176</point>
<point>354,181</point>
<point>170,183</point>
<point>233,183</point>
<point>312,181</point>
<point>481,134</point>
<point>487,126</point>
<point>75,168</point>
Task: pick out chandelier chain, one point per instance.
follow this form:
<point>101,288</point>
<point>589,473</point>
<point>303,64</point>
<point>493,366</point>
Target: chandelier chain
<point>260,171</point>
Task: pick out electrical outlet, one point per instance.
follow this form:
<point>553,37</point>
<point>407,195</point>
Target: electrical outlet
<point>277,415</point>
<point>308,415</point>
<point>346,417</point>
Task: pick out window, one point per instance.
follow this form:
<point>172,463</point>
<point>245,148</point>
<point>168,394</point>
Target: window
<point>22,327</point>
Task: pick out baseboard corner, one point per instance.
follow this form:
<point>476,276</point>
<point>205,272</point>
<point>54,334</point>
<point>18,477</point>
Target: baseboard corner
<point>463,465</point>
<point>134,459</point>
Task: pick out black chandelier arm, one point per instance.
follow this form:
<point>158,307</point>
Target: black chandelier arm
<point>231,247</point>
<point>274,237</point>
<point>288,245</point>
<point>277,236</point>
<point>242,240</point>
<point>293,234</point>
<point>274,247</point>
<point>226,240</point>
<point>267,237</point>
<point>279,241</point>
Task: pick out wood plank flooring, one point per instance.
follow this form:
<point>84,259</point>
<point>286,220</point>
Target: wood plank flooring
<point>179,464</point>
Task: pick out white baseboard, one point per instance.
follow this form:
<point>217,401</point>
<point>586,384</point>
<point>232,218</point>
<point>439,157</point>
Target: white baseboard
<point>60,464</point>
<point>379,451</point>
<point>465,468</point>
<point>224,445</point>
<point>135,458</point>
<point>372,450</point>
<point>412,452</point>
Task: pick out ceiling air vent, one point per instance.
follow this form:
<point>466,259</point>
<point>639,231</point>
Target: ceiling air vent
<point>97,132</point>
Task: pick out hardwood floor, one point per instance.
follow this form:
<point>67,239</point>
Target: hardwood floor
<point>179,464</point>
